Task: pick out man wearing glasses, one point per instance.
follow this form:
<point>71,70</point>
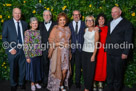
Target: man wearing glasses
<point>45,29</point>
<point>77,31</point>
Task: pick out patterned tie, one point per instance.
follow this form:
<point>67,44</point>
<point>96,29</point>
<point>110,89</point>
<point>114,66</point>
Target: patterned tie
<point>19,33</point>
<point>76,27</point>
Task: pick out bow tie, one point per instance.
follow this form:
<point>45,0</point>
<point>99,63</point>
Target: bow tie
<point>47,22</point>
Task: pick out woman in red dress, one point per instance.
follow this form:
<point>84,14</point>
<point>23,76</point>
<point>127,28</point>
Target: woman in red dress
<point>101,63</point>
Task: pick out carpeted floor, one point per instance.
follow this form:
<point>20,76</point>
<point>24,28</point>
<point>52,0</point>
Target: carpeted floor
<point>5,86</point>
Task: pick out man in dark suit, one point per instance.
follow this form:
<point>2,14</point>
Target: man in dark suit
<point>77,28</point>
<point>13,36</point>
<point>45,29</point>
<point>119,33</point>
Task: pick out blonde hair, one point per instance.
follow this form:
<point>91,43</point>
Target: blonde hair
<point>90,16</point>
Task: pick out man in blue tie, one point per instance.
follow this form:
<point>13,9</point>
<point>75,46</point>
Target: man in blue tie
<point>13,34</point>
<point>77,28</point>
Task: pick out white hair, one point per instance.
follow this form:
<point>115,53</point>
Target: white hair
<point>47,11</point>
<point>77,11</point>
<point>33,19</point>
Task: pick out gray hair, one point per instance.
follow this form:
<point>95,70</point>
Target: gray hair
<point>33,19</point>
<point>47,11</point>
<point>77,11</point>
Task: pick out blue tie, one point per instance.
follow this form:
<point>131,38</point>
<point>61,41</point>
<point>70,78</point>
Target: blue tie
<point>76,27</point>
<point>19,33</point>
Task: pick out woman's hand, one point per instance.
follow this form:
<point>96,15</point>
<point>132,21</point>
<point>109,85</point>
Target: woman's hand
<point>96,28</point>
<point>59,44</point>
<point>92,58</point>
<point>49,55</point>
<point>28,60</point>
<point>70,56</point>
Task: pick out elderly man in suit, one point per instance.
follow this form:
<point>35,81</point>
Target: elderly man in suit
<point>45,29</point>
<point>13,34</point>
<point>77,31</point>
<point>119,32</point>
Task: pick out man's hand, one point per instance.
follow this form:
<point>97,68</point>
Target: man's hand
<point>124,56</point>
<point>28,60</point>
<point>13,51</point>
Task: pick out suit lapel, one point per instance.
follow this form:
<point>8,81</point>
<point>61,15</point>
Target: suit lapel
<point>72,27</point>
<point>51,27</point>
<point>80,27</point>
<point>116,28</point>
<point>23,28</point>
<point>44,27</point>
<point>109,28</point>
<point>14,28</point>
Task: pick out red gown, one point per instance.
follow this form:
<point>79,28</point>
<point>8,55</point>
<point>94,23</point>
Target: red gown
<point>101,63</point>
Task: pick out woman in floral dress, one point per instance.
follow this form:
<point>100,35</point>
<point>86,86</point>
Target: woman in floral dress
<point>33,54</point>
<point>59,54</point>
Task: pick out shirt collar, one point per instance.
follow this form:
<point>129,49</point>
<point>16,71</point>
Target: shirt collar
<point>48,22</point>
<point>75,21</point>
<point>16,21</point>
<point>118,19</point>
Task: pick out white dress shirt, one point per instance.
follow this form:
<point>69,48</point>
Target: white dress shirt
<point>21,31</point>
<point>48,25</point>
<point>114,23</point>
<point>79,25</point>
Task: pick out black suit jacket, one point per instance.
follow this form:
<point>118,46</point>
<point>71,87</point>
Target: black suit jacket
<point>45,35</point>
<point>79,37</point>
<point>9,33</point>
<point>121,35</point>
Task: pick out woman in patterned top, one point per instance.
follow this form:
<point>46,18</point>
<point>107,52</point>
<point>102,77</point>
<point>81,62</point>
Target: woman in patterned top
<point>59,54</point>
<point>33,54</point>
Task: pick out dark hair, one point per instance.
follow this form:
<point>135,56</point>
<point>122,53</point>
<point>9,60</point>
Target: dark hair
<point>101,15</point>
<point>62,15</point>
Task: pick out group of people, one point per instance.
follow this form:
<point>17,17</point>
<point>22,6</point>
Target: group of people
<point>46,53</point>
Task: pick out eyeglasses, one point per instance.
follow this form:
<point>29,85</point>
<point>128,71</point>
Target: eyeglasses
<point>89,20</point>
<point>76,14</point>
<point>46,15</point>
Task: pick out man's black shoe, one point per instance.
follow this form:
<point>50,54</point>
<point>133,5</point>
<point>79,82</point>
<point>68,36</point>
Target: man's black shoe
<point>44,85</point>
<point>46,89</point>
<point>21,87</point>
<point>13,88</point>
<point>78,86</point>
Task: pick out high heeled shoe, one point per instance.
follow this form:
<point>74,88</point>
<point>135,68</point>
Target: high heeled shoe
<point>62,88</point>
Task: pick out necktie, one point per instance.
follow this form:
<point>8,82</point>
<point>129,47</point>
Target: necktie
<point>76,27</point>
<point>76,35</point>
<point>19,33</point>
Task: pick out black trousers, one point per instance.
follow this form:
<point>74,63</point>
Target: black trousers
<point>17,67</point>
<point>45,67</point>
<point>115,71</point>
<point>88,70</point>
<point>76,59</point>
